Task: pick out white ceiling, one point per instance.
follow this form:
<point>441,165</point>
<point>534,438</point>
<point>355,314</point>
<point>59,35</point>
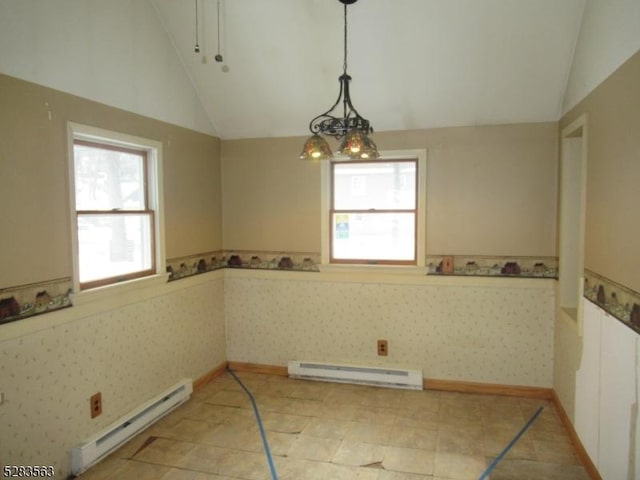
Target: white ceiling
<point>415,63</point>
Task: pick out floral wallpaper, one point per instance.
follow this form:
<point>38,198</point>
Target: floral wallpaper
<point>129,354</point>
<point>493,334</point>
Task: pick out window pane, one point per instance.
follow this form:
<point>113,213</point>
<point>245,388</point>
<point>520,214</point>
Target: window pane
<point>377,185</point>
<point>108,179</point>
<point>113,245</point>
<point>374,236</point>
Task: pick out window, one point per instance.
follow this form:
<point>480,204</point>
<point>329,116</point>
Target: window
<point>115,205</point>
<point>375,210</point>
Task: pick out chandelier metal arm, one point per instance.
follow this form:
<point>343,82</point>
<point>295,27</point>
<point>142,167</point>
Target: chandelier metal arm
<point>347,102</point>
<point>328,124</point>
<point>314,126</point>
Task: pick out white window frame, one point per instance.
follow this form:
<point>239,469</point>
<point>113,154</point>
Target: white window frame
<point>418,154</point>
<point>153,150</point>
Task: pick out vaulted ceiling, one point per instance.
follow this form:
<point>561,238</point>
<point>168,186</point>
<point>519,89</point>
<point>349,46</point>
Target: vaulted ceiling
<point>415,63</point>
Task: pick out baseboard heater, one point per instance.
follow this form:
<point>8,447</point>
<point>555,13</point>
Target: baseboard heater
<point>100,445</point>
<point>376,376</point>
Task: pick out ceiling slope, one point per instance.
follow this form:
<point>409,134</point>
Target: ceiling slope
<point>415,63</point>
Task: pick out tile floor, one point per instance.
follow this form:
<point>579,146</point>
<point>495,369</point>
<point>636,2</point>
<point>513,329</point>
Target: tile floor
<point>326,431</point>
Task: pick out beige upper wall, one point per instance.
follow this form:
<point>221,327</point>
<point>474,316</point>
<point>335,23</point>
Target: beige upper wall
<point>35,243</point>
<point>490,190</point>
<point>613,172</point>
<point>193,193</point>
<point>271,199</point>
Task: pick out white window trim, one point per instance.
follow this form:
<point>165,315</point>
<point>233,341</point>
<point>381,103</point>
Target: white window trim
<point>325,188</point>
<point>156,195</point>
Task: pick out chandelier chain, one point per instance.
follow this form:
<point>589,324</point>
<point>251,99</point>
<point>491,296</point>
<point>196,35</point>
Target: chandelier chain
<point>344,64</point>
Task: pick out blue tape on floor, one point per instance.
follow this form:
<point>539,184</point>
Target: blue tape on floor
<point>265,443</point>
<point>497,460</point>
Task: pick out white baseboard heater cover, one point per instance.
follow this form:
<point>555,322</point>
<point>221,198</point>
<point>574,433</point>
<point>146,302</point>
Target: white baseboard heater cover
<point>376,376</point>
<point>100,445</point>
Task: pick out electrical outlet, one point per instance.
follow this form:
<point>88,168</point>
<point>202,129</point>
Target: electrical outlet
<point>96,404</point>
<point>383,348</point>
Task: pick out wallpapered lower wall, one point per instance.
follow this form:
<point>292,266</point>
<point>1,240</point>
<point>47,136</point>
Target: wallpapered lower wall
<point>129,354</point>
<point>488,331</point>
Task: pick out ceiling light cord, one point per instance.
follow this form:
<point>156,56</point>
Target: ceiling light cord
<point>218,55</point>
<point>197,47</point>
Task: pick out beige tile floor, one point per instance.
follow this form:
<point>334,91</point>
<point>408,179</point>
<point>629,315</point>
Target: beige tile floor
<point>326,431</point>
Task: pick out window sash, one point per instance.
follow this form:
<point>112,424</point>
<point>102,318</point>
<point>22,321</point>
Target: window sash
<point>146,250</point>
<point>404,197</point>
<point>118,148</point>
<point>352,232</point>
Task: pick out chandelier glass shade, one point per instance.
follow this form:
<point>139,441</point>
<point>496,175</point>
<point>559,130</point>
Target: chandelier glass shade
<point>357,144</point>
<point>316,148</point>
<point>351,128</point>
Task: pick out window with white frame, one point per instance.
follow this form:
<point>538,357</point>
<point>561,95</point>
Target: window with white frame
<point>375,211</point>
<point>115,205</point>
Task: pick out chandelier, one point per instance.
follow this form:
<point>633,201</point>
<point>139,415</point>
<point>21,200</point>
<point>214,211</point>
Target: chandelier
<point>351,128</point>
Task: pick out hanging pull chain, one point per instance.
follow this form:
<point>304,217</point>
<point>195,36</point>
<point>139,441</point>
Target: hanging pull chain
<point>218,56</point>
<point>197,47</point>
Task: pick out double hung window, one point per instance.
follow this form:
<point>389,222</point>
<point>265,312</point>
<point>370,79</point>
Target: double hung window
<point>115,207</point>
<point>374,212</point>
